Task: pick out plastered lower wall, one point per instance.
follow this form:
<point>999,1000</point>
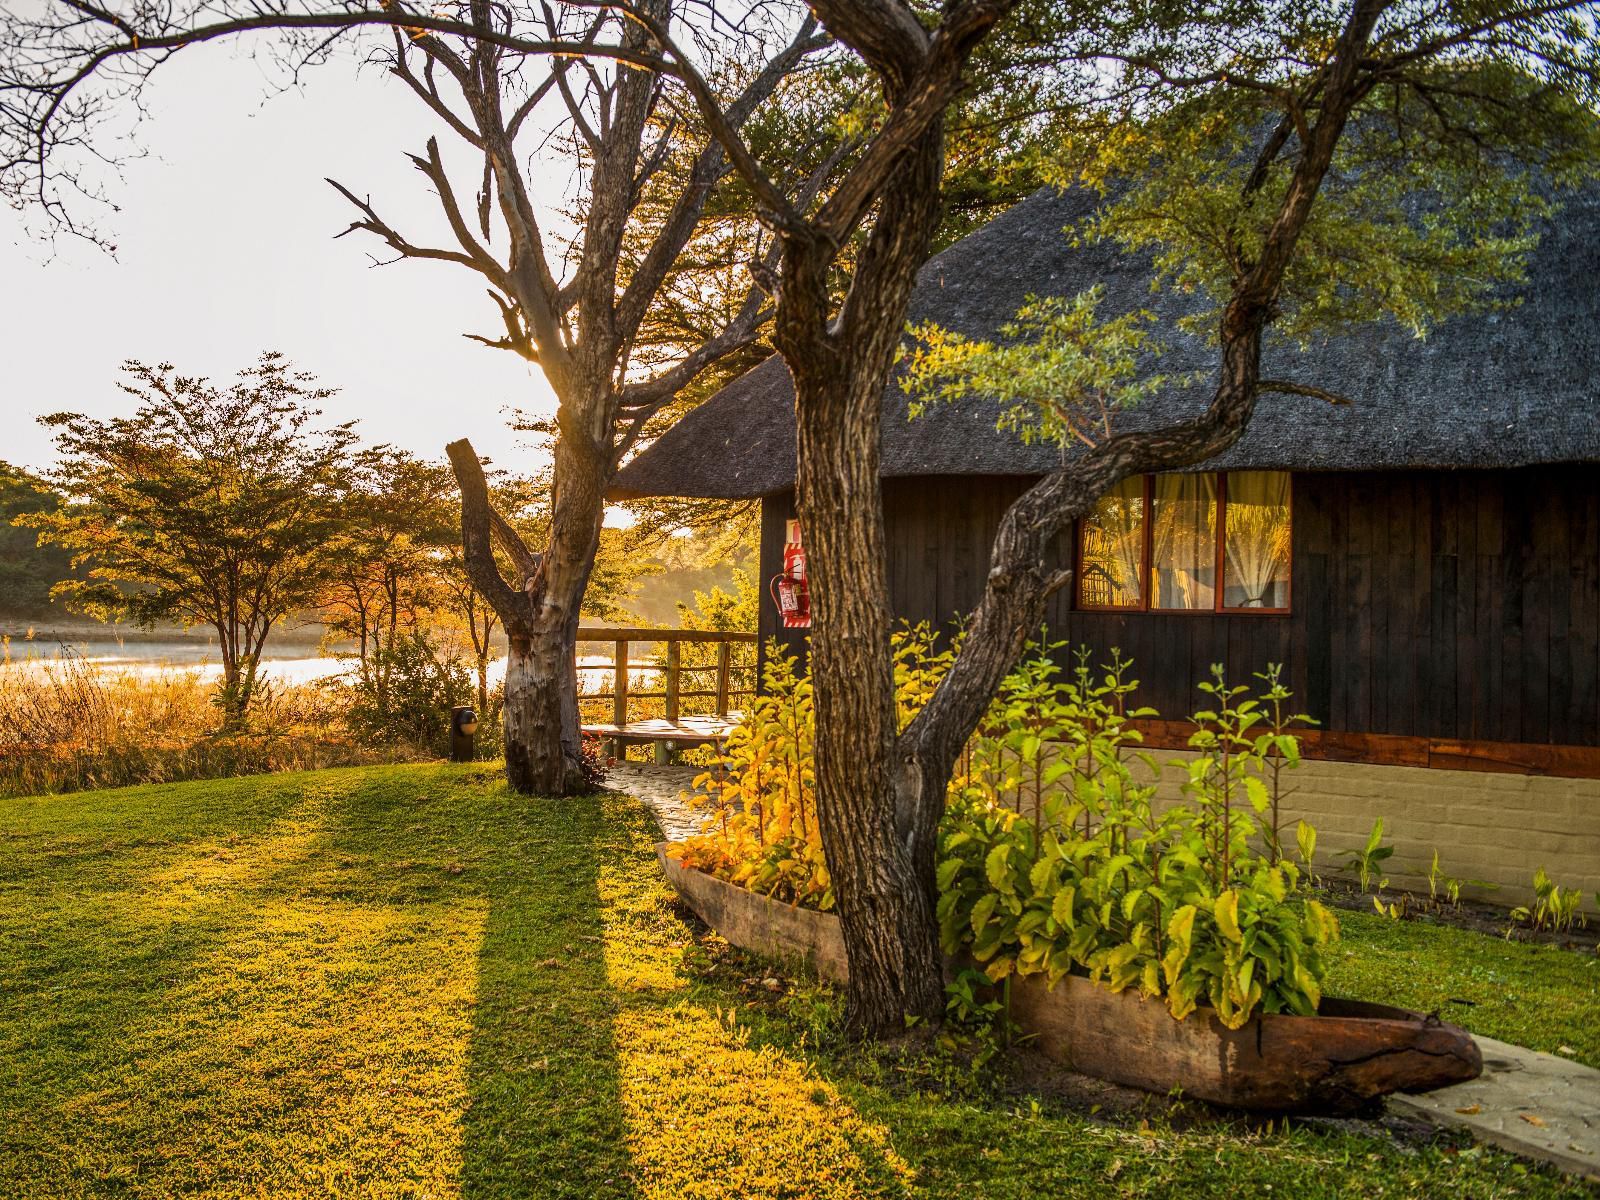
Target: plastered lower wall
<point>1489,826</point>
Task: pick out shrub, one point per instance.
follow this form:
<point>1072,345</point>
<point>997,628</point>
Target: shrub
<point>1554,908</point>
<point>1053,857</point>
<point>67,726</point>
<point>592,762</point>
<point>404,693</point>
<point>761,832</point>
<point>1195,904</point>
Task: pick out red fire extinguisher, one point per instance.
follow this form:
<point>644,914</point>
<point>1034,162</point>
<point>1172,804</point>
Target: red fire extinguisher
<point>789,589</point>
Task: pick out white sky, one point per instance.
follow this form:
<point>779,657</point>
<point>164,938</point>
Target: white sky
<point>225,249</point>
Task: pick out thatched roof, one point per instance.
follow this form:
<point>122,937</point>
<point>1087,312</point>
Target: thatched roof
<point>1505,389</point>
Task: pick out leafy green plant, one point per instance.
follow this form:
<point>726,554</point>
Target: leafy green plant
<point>405,691</point>
<point>1054,858</point>
<point>1080,873</point>
<point>1554,908</point>
<point>1403,907</point>
<point>1305,837</point>
<point>1439,883</point>
<point>1367,862</point>
<point>761,829</point>
<point>1281,750</point>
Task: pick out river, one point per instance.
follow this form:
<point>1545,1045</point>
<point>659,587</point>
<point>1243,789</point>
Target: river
<point>286,663</point>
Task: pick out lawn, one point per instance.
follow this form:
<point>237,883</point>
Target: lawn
<point>402,981</point>
<point>1543,997</point>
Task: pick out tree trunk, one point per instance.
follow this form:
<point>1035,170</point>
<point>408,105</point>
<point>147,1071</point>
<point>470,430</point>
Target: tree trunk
<point>1022,572</point>
<point>884,887</point>
<point>540,717</point>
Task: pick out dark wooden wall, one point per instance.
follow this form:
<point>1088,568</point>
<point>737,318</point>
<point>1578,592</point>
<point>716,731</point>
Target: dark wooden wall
<point>1440,604</point>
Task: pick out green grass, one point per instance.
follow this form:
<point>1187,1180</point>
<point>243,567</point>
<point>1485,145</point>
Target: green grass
<point>1539,996</point>
<point>403,982</point>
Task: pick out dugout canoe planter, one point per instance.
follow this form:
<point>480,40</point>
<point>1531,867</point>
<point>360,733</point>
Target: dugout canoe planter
<point>1338,1061</point>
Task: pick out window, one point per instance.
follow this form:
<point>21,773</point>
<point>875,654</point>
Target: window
<point>1188,543</point>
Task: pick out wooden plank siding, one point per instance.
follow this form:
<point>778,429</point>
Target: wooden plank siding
<point>1454,607</point>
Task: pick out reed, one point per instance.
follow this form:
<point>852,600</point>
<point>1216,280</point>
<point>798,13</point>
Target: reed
<point>66,726</point>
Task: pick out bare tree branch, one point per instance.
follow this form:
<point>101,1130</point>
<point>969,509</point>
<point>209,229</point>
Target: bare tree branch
<point>1285,387</point>
<point>477,523</point>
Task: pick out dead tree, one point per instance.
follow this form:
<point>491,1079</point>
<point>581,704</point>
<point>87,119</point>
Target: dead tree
<point>506,81</point>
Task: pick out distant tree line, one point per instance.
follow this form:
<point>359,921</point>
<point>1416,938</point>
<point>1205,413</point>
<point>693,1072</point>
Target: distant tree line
<point>237,508</point>
<point>27,571</point>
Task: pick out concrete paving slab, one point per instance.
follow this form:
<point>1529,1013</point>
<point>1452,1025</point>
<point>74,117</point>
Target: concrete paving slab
<point>1541,1106</point>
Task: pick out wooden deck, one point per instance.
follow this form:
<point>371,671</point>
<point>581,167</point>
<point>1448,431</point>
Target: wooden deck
<point>732,681</point>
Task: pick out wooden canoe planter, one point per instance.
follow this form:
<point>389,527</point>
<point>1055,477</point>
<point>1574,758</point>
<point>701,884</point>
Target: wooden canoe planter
<point>758,924</point>
<point>1336,1062</point>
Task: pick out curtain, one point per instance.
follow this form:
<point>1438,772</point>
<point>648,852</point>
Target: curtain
<point>1256,540</point>
<point>1113,549</point>
<point>1183,555</point>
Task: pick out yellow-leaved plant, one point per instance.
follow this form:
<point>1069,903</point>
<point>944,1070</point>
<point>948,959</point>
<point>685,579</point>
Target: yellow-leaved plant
<point>760,830</point>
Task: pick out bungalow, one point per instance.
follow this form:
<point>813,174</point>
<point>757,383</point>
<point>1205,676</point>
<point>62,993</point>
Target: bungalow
<point>1425,561</point>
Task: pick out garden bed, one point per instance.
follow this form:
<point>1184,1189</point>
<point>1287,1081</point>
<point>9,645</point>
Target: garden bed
<point>1338,1061</point>
<point>1477,916</point>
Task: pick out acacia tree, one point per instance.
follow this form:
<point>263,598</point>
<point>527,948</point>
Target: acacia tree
<point>506,80</point>
<point>208,506</point>
<point>1454,104</point>
<point>1224,140</point>
<point>384,561</point>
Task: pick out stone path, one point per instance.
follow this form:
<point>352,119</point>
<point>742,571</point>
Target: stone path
<point>1538,1105</point>
<point>662,789</point>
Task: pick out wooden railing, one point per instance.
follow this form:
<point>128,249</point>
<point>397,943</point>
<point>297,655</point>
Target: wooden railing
<point>730,682</point>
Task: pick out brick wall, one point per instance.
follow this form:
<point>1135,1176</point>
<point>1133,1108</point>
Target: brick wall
<point>1495,827</point>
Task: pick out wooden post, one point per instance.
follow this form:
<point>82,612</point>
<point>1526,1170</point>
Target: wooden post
<point>619,696</point>
<point>674,665</point>
<point>724,671</point>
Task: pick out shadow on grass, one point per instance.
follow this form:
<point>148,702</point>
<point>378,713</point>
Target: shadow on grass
<point>258,987</point>
<point>705,1111</point>
<point>545,1117</point>
<point>397,982</point>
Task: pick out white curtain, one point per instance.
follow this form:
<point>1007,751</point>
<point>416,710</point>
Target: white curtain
<point>1256,539</point>
<point>1183,555</point>
<point>1113,549</point>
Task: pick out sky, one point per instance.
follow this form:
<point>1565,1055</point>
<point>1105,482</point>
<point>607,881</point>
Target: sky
<point>225,248</point>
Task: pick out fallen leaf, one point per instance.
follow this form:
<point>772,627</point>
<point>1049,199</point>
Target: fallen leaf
<point>1565,1050</point>
<point>1471,1110</point>
<point>1532,1120</point>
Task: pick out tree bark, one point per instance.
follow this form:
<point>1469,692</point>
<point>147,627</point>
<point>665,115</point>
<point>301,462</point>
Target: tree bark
<point>884,887</point>
<point>540,719</point>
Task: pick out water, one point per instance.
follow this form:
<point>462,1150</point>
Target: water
<point>288,663</point>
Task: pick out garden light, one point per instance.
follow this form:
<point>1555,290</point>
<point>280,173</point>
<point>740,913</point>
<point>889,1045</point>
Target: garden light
<point>463,725</point>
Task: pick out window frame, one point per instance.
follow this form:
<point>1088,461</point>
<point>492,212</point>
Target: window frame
<point>1219,590</point>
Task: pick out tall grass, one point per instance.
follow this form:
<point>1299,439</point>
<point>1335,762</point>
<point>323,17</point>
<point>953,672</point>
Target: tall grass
<point>66,726</point>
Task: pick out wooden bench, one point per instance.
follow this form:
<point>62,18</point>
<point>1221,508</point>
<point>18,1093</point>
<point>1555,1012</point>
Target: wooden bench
<point>684,732</point>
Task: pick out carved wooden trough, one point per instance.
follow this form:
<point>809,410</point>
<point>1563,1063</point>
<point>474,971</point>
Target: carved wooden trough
<point>1338,1061</point>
